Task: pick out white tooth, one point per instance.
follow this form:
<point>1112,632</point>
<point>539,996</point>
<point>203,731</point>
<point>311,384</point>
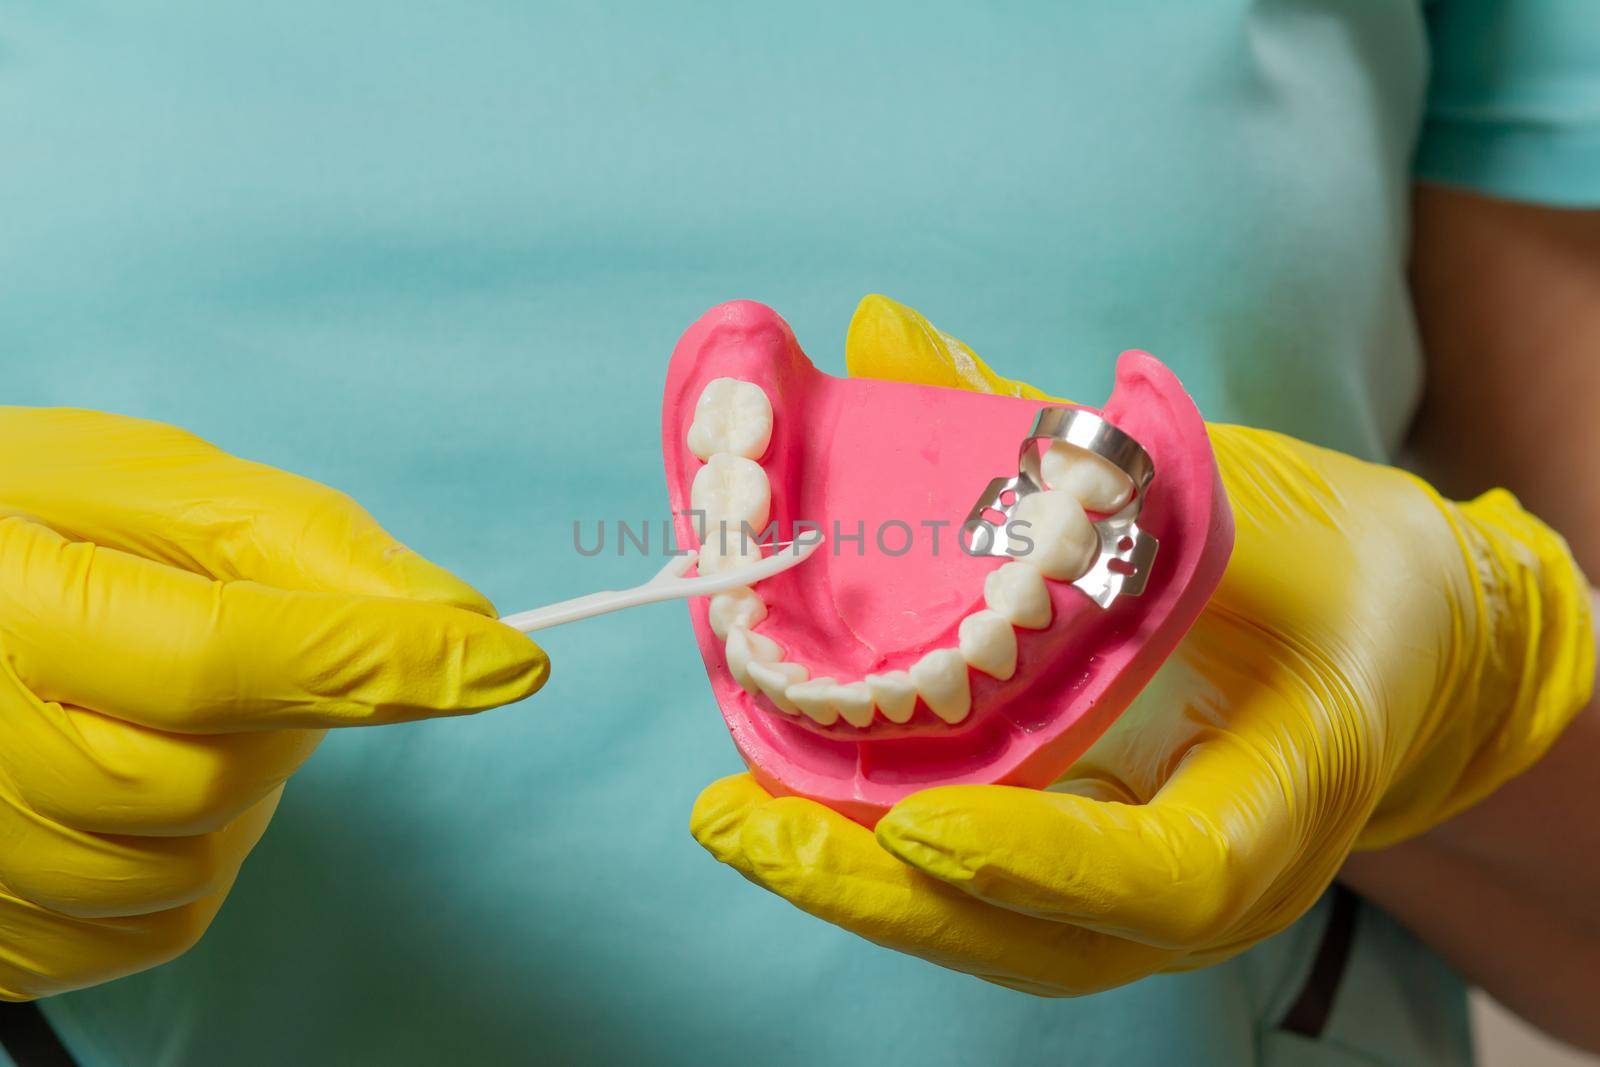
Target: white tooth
<point>812,699</point>
<point>989,644</point>
<point>734,490</point>
<point>1064,542</point>
<point>894,694</point>
<point>745,648</point>
<point>715,558</point>
<point>731,416</point>
<point>774,679</point>
<point>1094,481</point>
<point>941,681</point>
<point>853,701</point>
<point>736,607</point>
<point>1017,591</point>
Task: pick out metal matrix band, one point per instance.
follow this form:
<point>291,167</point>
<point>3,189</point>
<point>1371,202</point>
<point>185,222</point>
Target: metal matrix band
<point>1126,552</point>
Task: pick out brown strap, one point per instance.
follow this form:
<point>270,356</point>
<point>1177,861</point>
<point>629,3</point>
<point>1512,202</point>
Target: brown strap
<point>1308,1016</point>
<point>29,1039</point>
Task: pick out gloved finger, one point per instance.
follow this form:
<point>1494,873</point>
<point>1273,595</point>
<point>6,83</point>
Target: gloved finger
<point>90,876</point>
<point>43,952</point>
<point>1151,875</point>
<point>156,491</point>
<point>892,342</point>
<point>1180,872</point>
<point>1224,825</point>
<point>92,772</point>
<point>717,820</point>
<point>832,868</point>
<point>141,641</point>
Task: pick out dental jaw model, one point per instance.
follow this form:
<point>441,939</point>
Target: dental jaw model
<point>933,639</point>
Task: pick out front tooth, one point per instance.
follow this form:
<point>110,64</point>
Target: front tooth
<point>941,681</point>
<point>736,607</point>
<point>853,701</point>
<point>774,679</point>
<point>812,699</point>
<point>1064,542</point>
<point>989,644</point>
<point>1017,591</point>
<point>1094,481</point>
<point>734,490</point>
<point>745,648</point>
<point>731,416</point>
<point>894,694</point>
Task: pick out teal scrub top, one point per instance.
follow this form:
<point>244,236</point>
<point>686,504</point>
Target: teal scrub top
<point>437,254</point>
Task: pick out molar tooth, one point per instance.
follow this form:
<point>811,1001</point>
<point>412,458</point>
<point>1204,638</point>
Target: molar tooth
<point>733,489</point>
<point>775,680</point>
<point>941,681</point>
<point>1094,481</point>
<point>894,694</point>
<point>736,607</point>
<point>853,701</point>
<point>745,648</point>
<point>1064,541</point>
<point>812,699</point>
<point>989,644</point>
<point>731,416</point>
<point>1017,591</point>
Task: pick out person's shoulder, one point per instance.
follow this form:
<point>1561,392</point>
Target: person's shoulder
<point>1513,106</point>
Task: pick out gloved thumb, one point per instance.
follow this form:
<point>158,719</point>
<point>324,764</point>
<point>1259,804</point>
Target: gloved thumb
<point>891,342</point>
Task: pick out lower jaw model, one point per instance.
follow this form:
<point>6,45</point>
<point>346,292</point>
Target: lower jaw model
<point>932,640</point>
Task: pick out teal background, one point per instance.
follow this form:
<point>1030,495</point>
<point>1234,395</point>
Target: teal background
<point>437,254</point>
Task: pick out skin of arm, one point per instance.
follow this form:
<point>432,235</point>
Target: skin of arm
<point>1507,298</point>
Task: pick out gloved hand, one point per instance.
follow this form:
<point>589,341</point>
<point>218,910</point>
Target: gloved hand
<point>176,627</point>
<point>1375,660</point>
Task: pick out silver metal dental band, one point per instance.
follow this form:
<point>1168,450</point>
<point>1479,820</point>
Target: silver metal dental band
<point>1122,565</point>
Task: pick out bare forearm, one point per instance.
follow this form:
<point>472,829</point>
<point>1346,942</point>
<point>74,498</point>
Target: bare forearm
<point>1541,830</point>
<point>1509,891</point>
<point>1508,303</point>
<point>1507,299</point>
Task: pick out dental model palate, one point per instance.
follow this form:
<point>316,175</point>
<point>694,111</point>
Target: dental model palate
<point>1064,542</point>
<point>732,417</point>
<point>731,488</point>
<point>734,491</point>
<point>734,487</point>
<point>881,671</point>
<point>1091,480</point>
<point>1017,591</point>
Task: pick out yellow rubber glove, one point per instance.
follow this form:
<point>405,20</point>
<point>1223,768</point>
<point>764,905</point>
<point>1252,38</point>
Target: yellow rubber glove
<point>1375,660</point>
<point>176,625</point>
